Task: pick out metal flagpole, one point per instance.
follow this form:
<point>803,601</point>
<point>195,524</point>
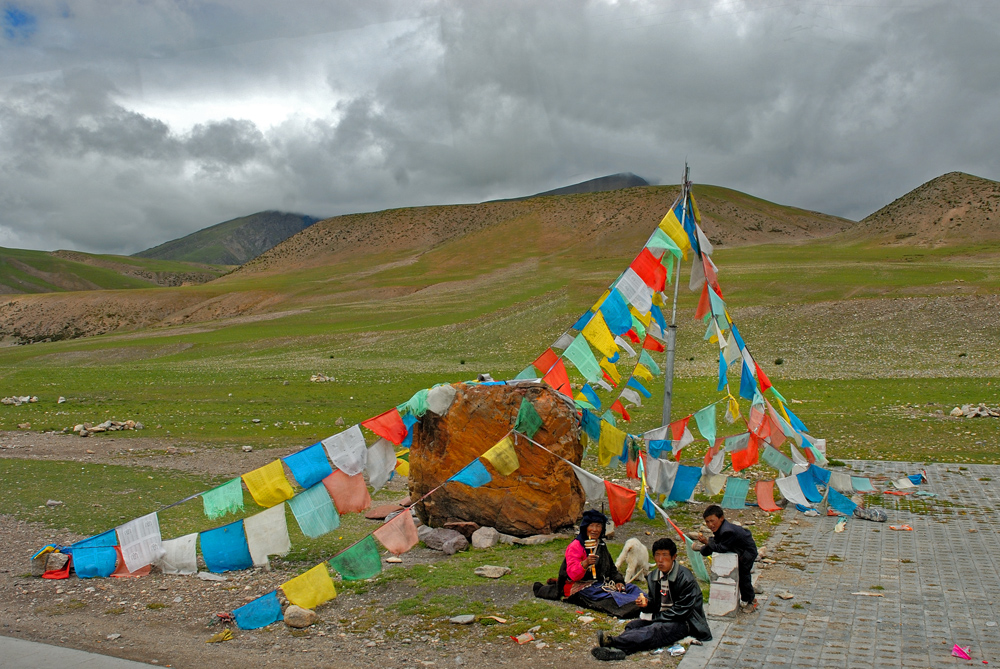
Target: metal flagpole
<point>668,374</point>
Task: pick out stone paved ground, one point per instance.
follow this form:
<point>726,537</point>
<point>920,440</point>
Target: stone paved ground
<point>940,583</point>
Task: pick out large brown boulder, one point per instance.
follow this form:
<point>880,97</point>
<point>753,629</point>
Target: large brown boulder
<point>540,497</point>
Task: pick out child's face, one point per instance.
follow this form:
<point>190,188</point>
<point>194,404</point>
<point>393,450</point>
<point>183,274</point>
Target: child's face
<point>713,522</point>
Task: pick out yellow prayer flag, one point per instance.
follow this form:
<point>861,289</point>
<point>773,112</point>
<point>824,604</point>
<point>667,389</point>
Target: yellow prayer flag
<point>598,334</point>
<point>610,444</point>
<point>311,588</point>
<point>734,409</point>
<point>694,208</point>
<point>658,299</point>
<point>644,318</point>
<point>600,301</point>
<point>643,372</point>
<point>268,484</point>
<point>675,231</point>
<point>503,457</point>
<point>611,369</point>
<point>402,467</point>
<point>781,408</point>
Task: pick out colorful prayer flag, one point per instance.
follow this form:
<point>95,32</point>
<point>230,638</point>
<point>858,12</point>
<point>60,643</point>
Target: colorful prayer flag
<point>545,361</point>
<point>473,475</point>
<point>502,456</point>
<point>95,561</point>
<point>610,443</point>
<point>621,502</point>
<point>615,312</point>
<point>380,463</point>
<point>140,541</point>
<point>388,425</point>
<point>559,379</point>
<point>180,555</point>
<point>705,419</point>
<point>268,484</point>
<point>684,483</point>
<point>399,534</point>
<point>635,290</point>
<point>736,493</point>
<point>267,534</point>
<point>310,589</point>
<point>225,548</point>
<point>528,421</point>
<point>672,227</point>
<point>359,562</point>
<point>593,485</point>
<point>227,498</point>
<point>314,511</point>
<point>696,561</point>
<point>583,359</point>
<point>349,493</point>
<point>309,466</point>
<point>261,612</point>
<point>746,457</point>
<point>347,450</point>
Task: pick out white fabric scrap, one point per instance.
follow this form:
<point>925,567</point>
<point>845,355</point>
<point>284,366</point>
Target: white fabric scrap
<point>717,462</point>
<point>267,534</point>
<point>686,439</point>
<point>841,482</point>
<point>706,246</point>
<point>593,485</point>
<point>732,351</point>
<point>797,457</point>
<point>635,290</point>
<point>604,384</point>
<point>665,476</point>
<point>564,341</point>
<point>790,490</point>
<point>657,434</point>
<point>697,276</point>
<point>179,556</point>
<point>903,483</point>
<point>348,450</point>
<point>439,398</point>
<point>624,344</point>
<point>381,463</point>
<point>140,541</point>
<point>714,483</point>
<point>631,396</point>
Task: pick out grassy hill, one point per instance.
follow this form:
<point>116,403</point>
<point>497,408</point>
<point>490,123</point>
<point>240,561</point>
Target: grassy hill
<point>232,242</point>
<point>953,208</point>
<point>24,271</point>
<point>872,338</point>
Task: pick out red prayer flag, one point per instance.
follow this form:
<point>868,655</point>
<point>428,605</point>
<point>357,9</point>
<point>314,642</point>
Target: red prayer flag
<point>388,425</point>
<point>632,336</point>
<point>677,428</point>
<point>775,436</point>
<point>809,455</point>
<point>59,574</point>
<point>121,571</point>
<point>609,379</point>
<point>704,304</point>
<point>765,496</point>
<point>349,493</point>
<point>632,469</point>
<point>650,270</point>
<point>619,408</point>
<point>746,457</point>
<point>559,379</point>
<point>545,361</point>
<point>621,502</point>
<point>710,274</point>
<point>762,379</point>
<point>712,452</point>
<point>651,344</point>
<point>399,534</point>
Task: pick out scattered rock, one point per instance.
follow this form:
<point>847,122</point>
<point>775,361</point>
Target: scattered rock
<point>209,576</point>
<point>485,537</point>
<point>339,422</point>
<point>53,502</point>
<point>464,527</point>
<point>540,645</point>
<point>441,539</point>
<point>586,619</point>
<point>248,449</point>
<point>60,400</point>
<point>394,559</point>
<point>492,571</point>
<point>783,594</point>
<point>319,378</point>
<point>298,617</point>
<point>112,637</point>
<point>56,561</point>
<point>464,619</point>
<point>24,426</point>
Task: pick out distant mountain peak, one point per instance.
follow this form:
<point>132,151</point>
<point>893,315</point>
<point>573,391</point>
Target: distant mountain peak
<point>598,185</point>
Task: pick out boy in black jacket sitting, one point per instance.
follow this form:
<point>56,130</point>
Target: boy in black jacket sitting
<point>731,538</point>
<point>675,603</point>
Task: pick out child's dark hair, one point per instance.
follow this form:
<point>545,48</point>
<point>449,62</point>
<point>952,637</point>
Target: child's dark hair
<point>713,510</point>
<point>665,545</point>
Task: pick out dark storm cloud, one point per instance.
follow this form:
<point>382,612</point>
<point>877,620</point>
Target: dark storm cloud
<point>122,129</point>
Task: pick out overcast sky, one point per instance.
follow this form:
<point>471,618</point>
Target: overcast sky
<point>125,124</point>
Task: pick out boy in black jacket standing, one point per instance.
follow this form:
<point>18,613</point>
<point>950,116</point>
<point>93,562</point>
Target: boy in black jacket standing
<point>675,603</point>
<point>731,538</point>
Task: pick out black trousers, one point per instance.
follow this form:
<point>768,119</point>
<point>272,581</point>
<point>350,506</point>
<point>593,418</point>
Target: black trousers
<point>746,584</point>
<point>640,635</point>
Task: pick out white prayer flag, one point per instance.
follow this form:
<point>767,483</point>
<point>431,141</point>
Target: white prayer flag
<point>179,556</point>
<point>140,541</point>
<point>439,398</point>
<point>267,534</point>
<point>631,396</point>
<point>381,463</point>
<point>657,434</point>
<point>624,344</point>
<point>714,483</point>
<point>790,490</point>
<point>697,275</point>
<point>635,290</point>
<point>347,450</point>
<point>593,485</point>
<point>565,340</point>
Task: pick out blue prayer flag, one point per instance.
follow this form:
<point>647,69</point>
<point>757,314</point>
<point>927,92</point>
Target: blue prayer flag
<point>309,466</point>
<point>748,385</point>
<point>739,339</point>
<point>615,357</point>
<point>635,385</point>
<point>590,424</point>
<point>109,538</point>
<point>473,475</point>
<point>684,483</point>
<point>736,493</point>
<point>582,321</point>
<point>616,313</point>
<point>821,475</point>
<point>916,479</point>
<point>591,395</point>
<point>225,548</point>
<point>840,503</point>
<point>723,374</point>
<point>808,485</point>
<point>862,484</point>
<point>658,446</point>
<point>649,508</point>
<point>410,420</point>
<point>91,561</point>
<point>261,612</point>
<point>658,315</point>
<point>797,424</point>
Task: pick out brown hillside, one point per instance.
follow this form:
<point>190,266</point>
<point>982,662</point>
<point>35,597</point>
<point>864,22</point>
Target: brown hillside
<point>616,222</point>
<point>953,208</point>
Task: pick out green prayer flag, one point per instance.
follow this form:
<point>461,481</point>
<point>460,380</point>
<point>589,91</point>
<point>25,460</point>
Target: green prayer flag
<point>639,328</point>
<point>528,372</point>
<point>314,510</point>
<point>528,420</point>
<point>646,359</point>
<point>706,423</point>
<point>697,561</point>
<point>583,359</point>
<point>416,405</point>
<point>360,561</point>
<point>777,459</point>
<point>227,498</point>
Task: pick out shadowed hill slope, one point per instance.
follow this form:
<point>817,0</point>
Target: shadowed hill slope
<point>232,242</point>
<point>26,271</point>
<point>953,208</point>
<point>610,182</point>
